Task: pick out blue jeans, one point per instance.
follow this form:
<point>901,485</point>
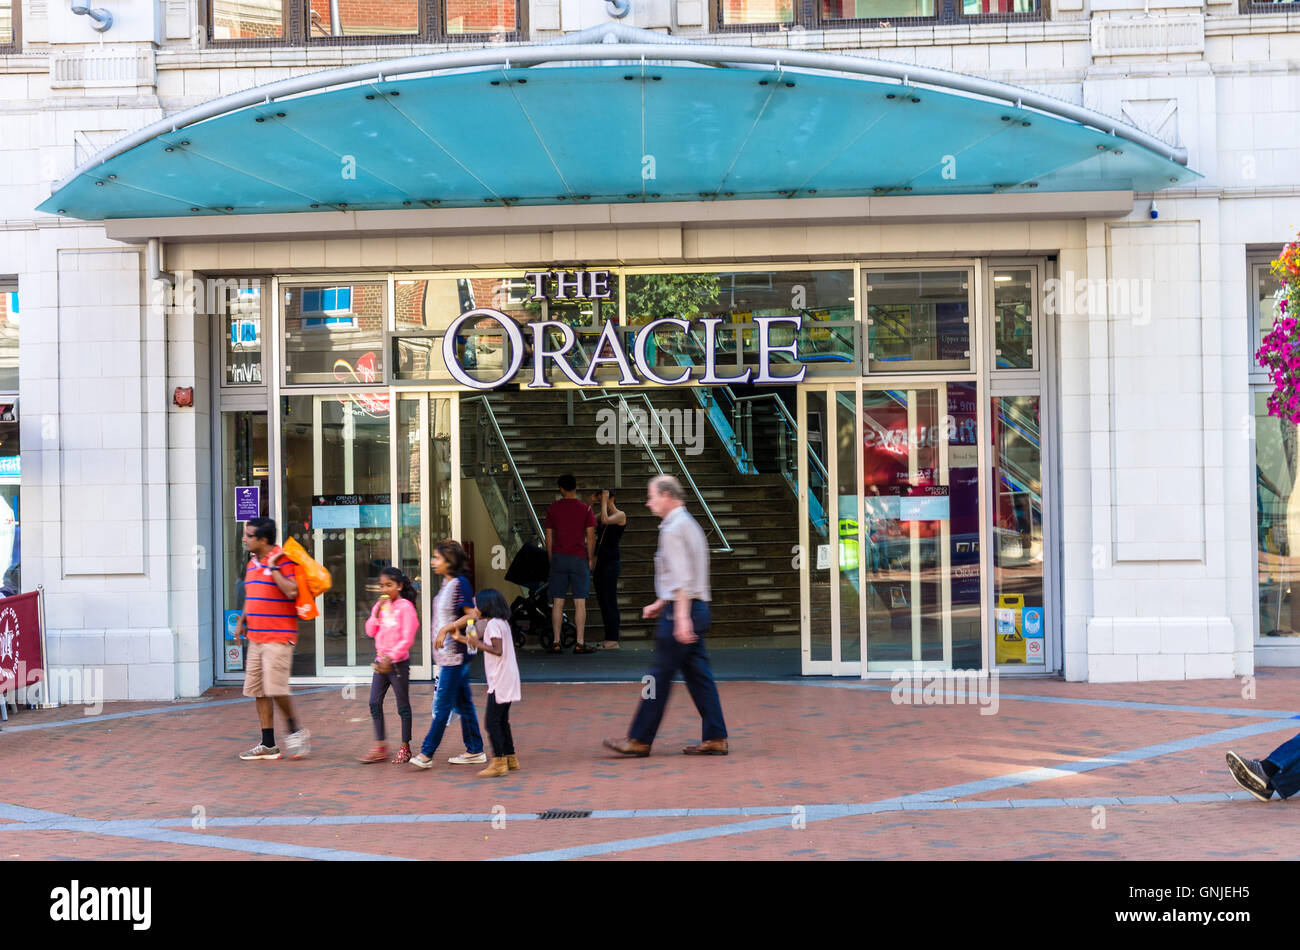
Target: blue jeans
<point>1286,781</point>
<point>453,693</point>
<point>692,659</point>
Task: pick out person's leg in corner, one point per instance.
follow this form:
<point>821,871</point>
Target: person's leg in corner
<point>1283,767</point>
<point>698,673</point>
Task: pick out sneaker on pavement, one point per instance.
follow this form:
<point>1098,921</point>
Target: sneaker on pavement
<point>422,761</point>
<point>260,751</point>
<point>298,743</point>
<point>1250,775</point>
<point>468,758</point>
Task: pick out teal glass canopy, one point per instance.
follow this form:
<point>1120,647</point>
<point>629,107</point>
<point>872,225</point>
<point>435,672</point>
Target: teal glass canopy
<point>564,134</point>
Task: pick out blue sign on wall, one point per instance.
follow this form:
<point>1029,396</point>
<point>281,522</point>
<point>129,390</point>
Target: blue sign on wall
<point>11,465</point>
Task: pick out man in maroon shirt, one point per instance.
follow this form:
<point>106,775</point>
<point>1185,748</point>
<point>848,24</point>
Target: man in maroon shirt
<point>571,546</point>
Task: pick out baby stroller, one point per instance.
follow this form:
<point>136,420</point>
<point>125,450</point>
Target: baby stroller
<point>531,613</point>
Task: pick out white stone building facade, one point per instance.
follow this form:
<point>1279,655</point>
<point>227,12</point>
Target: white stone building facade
<point>1158,553</point>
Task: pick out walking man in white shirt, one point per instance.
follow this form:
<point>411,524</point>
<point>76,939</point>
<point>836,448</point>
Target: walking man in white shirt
<point>682,608</point>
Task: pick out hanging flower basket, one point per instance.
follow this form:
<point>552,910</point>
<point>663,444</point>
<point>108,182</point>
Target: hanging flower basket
<point>1280,354</point>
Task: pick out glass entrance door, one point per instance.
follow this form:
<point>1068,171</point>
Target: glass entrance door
<point>922,508</point>
<point>426,496</point>
<point>830,530</point>
<point>354,466</point>
<point>891,526</point>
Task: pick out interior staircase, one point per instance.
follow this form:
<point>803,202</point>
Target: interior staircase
<point>755,584</point>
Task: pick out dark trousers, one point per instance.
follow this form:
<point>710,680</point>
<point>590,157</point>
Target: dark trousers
<point>692,660</point>
<point>497,720</point>
<point>453,693</point>
<point>400,680</point>
<point>606,583</point>
<point>1286,781</point>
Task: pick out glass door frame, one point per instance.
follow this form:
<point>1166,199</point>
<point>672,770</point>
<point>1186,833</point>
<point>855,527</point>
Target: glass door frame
<point>836,665</point>
<point>864,667</point>
<point>422,396</point>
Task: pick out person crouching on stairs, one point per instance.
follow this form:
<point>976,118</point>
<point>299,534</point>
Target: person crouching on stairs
<point>502,674</point>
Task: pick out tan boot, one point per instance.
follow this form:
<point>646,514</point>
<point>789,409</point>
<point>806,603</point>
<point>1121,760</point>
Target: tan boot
<point>512,763</point>
<point>495,768</point>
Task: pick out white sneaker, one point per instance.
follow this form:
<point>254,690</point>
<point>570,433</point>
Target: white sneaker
<point>468,758</point>
<point>421,761</point>
<point>298,743</point>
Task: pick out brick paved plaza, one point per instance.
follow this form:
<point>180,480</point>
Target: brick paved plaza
<point>819,769</point>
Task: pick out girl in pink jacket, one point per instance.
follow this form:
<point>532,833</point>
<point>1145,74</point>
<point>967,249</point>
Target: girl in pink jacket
<point>393,624</point>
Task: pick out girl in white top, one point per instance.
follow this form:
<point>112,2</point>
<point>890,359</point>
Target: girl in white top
<point>492,635</point>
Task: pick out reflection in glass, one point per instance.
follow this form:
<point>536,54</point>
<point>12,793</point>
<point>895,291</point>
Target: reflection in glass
<point>921,479</point>
<point>823,298</point>
<point>918,320</point>
<point>481,16</point>
<point>363,17</point>
<point>1013,323</point>
<point>245,19</point>
<point>738,12</point>
<point>11,578</point>
<point>872,9</point>
<point>1266,286</point>
<point>426,307</point>
<point>335,334</point>
<point>1277,458</point>
<point>410,556</point>
<point>846,520</point>
<point>241,309</point>
<point>818,557</point>
<point>8,338</point>
<point>244,461</point>
<point>978,7</point>
<point>344,510</point>
<point>1020,614</point>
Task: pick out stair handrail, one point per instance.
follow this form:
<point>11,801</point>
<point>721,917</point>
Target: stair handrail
<point>652,414</point>
<point>510,462</point>
<point>654,459</point>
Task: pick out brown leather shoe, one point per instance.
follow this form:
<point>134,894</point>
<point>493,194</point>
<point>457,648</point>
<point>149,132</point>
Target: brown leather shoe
<point>707,747</point>
<point>628,747</point>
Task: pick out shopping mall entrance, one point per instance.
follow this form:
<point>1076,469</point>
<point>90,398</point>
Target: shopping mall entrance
<point>891,511</point>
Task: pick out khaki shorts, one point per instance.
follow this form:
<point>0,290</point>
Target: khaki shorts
<point>266,669</point>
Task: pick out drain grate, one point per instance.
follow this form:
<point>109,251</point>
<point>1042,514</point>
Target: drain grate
<point>557,813</point>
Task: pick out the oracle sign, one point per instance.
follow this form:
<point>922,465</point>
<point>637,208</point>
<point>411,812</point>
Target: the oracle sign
<point>594,285</point>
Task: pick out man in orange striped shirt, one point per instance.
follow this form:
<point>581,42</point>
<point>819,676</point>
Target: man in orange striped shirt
<point>270,620</point>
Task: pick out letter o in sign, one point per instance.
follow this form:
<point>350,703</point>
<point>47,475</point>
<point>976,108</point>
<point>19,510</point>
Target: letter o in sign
<point>512,332</point>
